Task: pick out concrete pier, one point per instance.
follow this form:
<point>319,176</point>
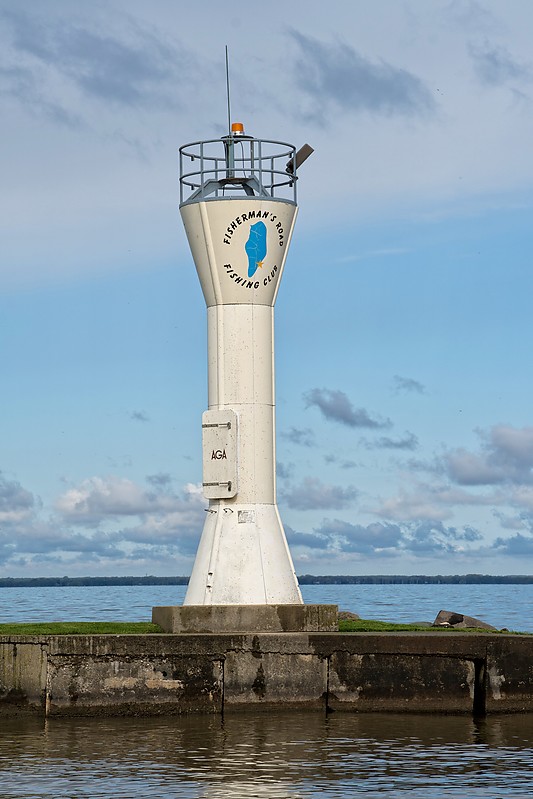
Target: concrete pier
<point>193,673</point>
<point>242,618</point>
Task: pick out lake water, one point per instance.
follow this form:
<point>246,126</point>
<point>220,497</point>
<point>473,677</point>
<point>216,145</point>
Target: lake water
<point>292,756</point>
<point>274,756</point>
<point>508,606</point>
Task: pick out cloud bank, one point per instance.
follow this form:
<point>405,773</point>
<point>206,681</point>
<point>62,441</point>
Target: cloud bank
<point>336,76</point>
<point>336,407</point>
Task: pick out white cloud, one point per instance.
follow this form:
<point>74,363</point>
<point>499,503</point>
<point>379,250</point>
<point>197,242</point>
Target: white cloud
<point>495,66</point>
<point>506,456</point>
<point>98,499</point>
<point>407,384</point>
<point>16,503</point>
<point>336,538</point>
<point>347,537</point>
<point>303,437</point>
<point>407,442</point>
<point>336,406</point>
<point>517,545</point>
<point>313,494</point>
<point>333,75</point>
<point>407,507</point>
<point>120,522</point>
<point>88,70</point>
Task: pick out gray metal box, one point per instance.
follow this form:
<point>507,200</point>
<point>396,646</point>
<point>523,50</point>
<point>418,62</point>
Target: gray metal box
<point>219,443</point>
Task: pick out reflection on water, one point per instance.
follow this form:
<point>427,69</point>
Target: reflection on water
<point>278,756</point>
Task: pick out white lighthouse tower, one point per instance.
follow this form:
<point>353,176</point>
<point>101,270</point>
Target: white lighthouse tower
<point>238,205</point>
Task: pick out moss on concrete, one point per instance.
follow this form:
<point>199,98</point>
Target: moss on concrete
<point>373,626</point>
<point>81,628</point>
<point>145,628</point>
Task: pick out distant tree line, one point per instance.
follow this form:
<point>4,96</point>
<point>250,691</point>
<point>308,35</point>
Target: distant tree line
<point>415,579</point>
<point>30,582</point>
<point>305,579</point>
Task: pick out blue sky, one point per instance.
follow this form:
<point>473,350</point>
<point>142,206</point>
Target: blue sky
<point>403,322</point>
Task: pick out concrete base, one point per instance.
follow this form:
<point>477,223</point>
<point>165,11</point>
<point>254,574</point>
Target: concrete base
<point>246,618</point>
<point>434,672</point>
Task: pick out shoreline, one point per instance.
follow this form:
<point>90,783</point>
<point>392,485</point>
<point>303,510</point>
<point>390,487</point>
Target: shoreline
<point>305,579</point>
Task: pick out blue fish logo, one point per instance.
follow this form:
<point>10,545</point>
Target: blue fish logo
<point>256,247</point>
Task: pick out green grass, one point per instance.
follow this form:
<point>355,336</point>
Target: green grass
<point>145,628</point>
<point>371,626</point>
<point>81,628</point>
<point>142,628</point>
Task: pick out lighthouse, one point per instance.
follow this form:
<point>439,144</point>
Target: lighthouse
<point>238,203</point>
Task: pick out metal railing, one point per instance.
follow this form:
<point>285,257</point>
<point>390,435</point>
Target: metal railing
<point>237,166</point>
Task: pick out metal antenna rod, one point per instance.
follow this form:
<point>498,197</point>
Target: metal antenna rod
<point>227,91</point>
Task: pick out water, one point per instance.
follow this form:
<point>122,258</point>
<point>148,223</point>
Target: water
<point>279,756</point>
<point>501,605</point>
<point>293,756</point>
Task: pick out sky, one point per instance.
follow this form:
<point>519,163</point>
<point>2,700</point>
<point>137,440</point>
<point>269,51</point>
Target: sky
<point>404,377</point>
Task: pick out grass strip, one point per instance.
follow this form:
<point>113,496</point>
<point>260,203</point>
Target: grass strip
<point>81,628</point>
<point>372,626</point>
<point>146,628</point>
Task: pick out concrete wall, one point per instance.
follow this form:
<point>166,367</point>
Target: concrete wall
<point>399,672</point>
<point>23,669</point>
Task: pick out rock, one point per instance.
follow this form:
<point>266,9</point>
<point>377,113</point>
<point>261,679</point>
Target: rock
<point>347,615</point>
<point>446,618</point>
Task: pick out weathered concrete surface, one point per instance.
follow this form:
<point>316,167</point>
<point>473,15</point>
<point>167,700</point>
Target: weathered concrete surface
<point>23,670</point>
<point>246,618</point>
<point>266,671</point>
<point>133,674</point>
<point>82,685</point>
<point>400,683</point>
<point>509,675</point>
